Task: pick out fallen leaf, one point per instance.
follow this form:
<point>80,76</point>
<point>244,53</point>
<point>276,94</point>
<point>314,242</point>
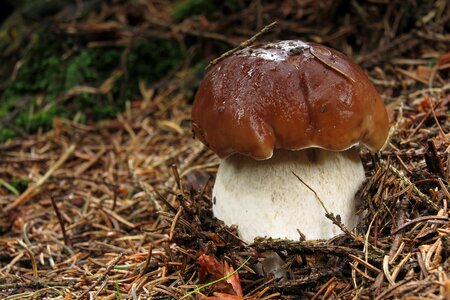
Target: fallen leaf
<point>222,296</point>
<point>209,265</point>
<point>233,279</point>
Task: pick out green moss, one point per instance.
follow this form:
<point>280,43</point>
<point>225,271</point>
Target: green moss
<point>40,72</point>
<point>90,68</point>
<point>45,75</point>
<point>40,118</point>
<point>6,134</point>
<point>152,59</point>
<point>79,70</point>
<point>19,184</point>
<point>186,8</point>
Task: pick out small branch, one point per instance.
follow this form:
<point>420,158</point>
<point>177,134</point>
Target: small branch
<point>315,194</point>
<point>394,287</point>
<point>387,274</point>
<point>335,219</point>
<point>147,262</point>
<point>61,221</point>
<point>101,287</point>
<point>242,45</point>
<point>263,244</point>
<point>174,223</point>
<point>102,278</point>
<point>32,258</point>
<point>176,175</point>
<point>419,220</point>
<point>314,276</point>
<point>316,55</point>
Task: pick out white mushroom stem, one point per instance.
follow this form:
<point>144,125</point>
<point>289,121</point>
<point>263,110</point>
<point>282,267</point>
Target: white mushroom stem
<point>265,198</point>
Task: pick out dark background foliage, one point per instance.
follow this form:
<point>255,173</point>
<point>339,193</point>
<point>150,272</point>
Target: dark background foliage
<point>50,47</point>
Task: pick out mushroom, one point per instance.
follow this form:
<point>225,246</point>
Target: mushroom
<point>284,118</point>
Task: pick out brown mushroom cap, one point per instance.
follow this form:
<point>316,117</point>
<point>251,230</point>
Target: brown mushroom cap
<point>291,95</point>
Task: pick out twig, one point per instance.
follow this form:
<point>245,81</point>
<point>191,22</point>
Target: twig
<point>364,274</point>
<point>262,244</point>
<point>387,274</point>
<point>399,266</point>
<point>419,220</point>
<point>392,288</point>
<point>147,262</point>
<point>174,223</point>
<point>32,258</point>
<point>335,219</point>
<point>366,239</point>
<point>315,54</point>
<point>61,221</point>
<point>422,265</point>
<point>316,276</point>
<point>101,287</point>
<point>243,45</point>
<point>365,263</point>
<point>323,288</point>
<point>314,192</point>
<point>176,175</point>
<point>102,278</point>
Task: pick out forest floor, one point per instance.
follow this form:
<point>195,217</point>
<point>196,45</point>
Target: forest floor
<point>121,208</point>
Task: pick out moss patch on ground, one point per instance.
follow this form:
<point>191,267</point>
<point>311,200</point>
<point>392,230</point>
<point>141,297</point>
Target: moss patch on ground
<point>52,65</point>
<point>187,8</point>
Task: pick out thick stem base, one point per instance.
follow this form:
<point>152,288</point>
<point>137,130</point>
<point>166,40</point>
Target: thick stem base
<point>265,198</point>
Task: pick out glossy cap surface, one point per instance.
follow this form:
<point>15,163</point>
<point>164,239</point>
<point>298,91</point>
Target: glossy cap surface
<point>290,95</point>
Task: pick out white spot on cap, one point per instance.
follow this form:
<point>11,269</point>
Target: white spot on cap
<point>276,51</point>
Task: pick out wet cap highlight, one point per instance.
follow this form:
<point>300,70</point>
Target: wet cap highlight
<point>291,95</point>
